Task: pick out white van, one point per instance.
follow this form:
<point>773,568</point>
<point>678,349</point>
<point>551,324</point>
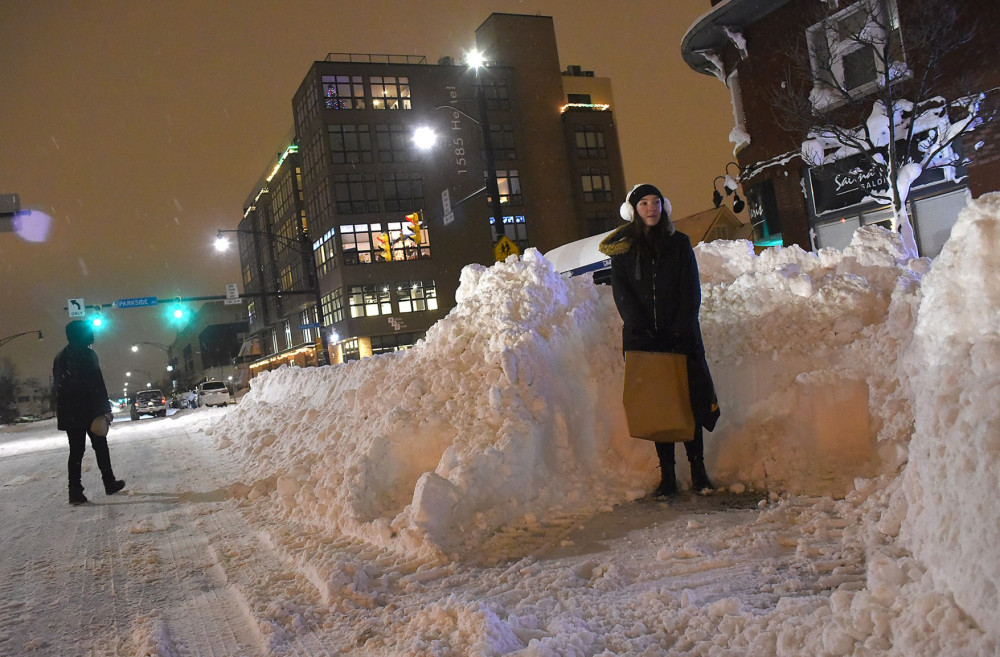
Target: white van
<point>213,393</point>
<point>582,257</point>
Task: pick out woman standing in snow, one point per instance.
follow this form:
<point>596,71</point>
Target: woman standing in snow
<point>654,277</point>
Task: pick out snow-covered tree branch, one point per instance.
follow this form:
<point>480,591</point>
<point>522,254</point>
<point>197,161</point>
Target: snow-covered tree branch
<point>879,86</point>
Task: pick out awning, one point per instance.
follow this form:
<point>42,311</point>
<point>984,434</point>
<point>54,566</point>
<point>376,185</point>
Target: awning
<point>250,347</point>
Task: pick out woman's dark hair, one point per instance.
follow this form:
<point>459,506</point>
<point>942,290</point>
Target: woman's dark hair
<point>645,242</point>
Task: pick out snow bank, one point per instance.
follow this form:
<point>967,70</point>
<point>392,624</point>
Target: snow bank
<point>803,348</point>
<point>864,398</point>
<point>954,455</point>
<point>509,413</point>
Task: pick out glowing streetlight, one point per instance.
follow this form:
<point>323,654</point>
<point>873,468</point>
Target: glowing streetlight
<point>475,59</point>
<point>424,138</point>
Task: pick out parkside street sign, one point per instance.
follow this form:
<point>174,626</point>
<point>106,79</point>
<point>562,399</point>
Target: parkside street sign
<point>137,302</point>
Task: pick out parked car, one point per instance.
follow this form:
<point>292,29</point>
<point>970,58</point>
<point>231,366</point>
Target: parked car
<point>183,399</point>
<point>213,393</point>
<point>148,402</point>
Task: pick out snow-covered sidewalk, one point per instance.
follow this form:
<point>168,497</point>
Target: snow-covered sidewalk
<point>478,494</point>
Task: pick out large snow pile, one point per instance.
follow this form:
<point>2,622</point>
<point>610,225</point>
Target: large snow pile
<point>954,467</point>
<point>508,412</point>
<point>508,415</point>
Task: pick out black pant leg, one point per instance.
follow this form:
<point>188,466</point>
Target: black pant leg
<point>103,456</point>
<point>665,452</point>
<point>77,446</point>
<point>696,448</point>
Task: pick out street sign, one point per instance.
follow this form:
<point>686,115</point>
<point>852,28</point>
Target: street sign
<point>232,302</point>
<point>76,307</point>
<point>136,302</point>
<point>505,247</point>
<point>232,292</point>
<point>446,202</point>
<point>310,325</point>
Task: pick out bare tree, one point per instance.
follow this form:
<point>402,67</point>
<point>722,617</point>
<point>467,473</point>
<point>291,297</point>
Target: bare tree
<point>8,391</point>
<point>879,85</point>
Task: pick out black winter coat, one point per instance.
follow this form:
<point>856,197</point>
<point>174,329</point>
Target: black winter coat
<point>79,387</point>
<point>659,298</point>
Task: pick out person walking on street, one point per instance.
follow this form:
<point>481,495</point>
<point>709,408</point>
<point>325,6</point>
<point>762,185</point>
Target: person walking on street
<point>654,279</point>
<point>82,398</point>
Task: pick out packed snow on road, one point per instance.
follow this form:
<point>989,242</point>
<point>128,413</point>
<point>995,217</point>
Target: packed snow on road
<point>478,494</point>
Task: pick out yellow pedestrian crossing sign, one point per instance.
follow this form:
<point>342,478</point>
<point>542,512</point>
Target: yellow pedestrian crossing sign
<point>505,247</point>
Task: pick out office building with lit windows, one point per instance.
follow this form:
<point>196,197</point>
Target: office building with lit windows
<point>389,226</point>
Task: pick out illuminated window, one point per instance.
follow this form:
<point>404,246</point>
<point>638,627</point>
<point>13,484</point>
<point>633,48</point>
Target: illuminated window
<point>369,300</point>
<point>596,186</point>
<point>515,228</point>
<point>285,276</point>
<point>324,253</point>
<point>402,191</point>
<point>416,296</point>
<point>307,317</point>
<point>333,307</point>
<point>357,242</point>
<point>355,193</point>
<point>509,185</point>
<point>350,350</point>
<point>350,144</point>
<point>288,235</point>
<point>389,92</point>
<point>343,92</point>
<point>403,245</point>
<point>590,142</point>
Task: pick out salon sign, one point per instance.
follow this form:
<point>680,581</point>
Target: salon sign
<point>856,180</point>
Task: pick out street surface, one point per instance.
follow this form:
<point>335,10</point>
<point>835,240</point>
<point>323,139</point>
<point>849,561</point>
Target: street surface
<point>175,566</point>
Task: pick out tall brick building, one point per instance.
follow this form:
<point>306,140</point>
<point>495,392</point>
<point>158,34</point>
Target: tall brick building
<point>752,46</point>
<point>381,229</point>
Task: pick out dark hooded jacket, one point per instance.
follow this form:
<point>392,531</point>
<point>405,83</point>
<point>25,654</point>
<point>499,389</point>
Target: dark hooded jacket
<point>658,295</point>
<point>79,385</point>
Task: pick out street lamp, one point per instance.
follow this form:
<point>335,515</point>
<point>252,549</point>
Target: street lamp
<point>17,335</point>
<point>729,184</point>
<point>163,347</point>
<point>304,249</point>
<point>149,377</point>
<point>425,138</point>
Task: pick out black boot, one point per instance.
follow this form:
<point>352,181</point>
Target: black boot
<point>700,483</point>
<point>667,487</point>
<point>668,479</point>
<point>76,495</point>
<point>113,486</point>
